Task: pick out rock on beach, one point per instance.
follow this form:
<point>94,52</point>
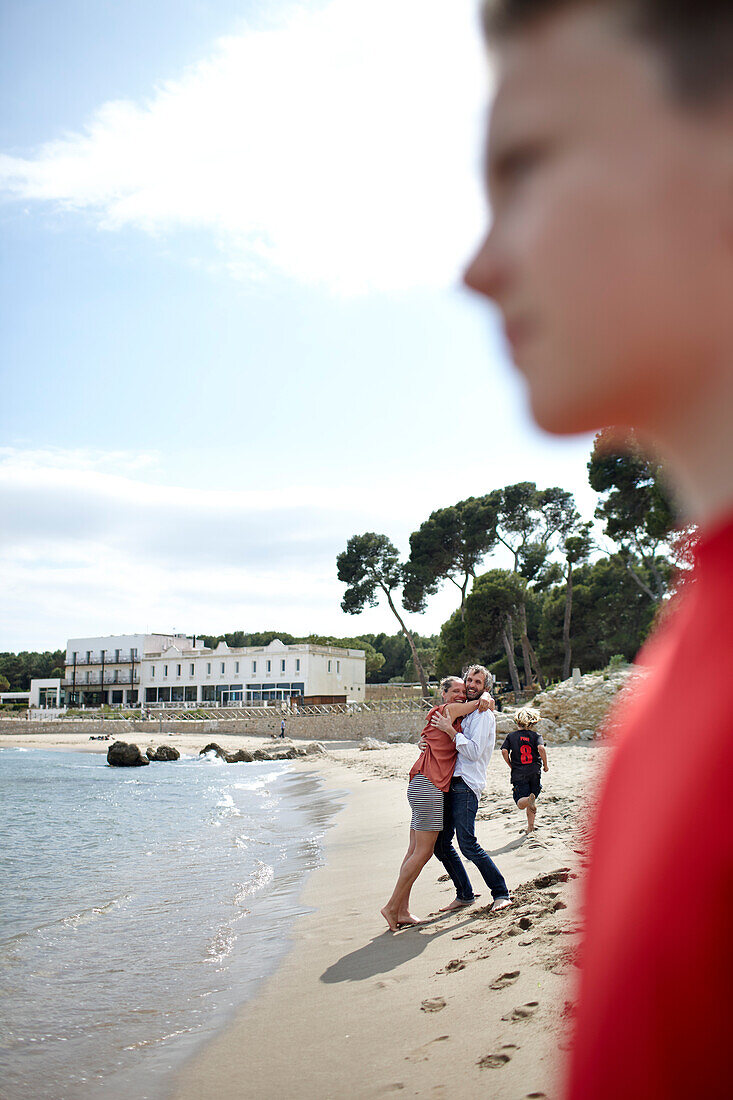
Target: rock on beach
<point>573,710</point>
<point>163,752</point>
<point>121,754</point>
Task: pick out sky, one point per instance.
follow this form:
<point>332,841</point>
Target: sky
<point>232,330</point>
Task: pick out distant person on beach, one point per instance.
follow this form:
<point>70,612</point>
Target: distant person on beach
<point>430,776</point>
<point>474,747</point>
<point>610,176</point>
<point>524,752</point>
<point>282,728</point>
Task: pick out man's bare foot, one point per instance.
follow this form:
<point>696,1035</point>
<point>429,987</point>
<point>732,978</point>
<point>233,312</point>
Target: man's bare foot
<point>391,918</point>
<point>501,903</point>
<point>408,918</point>
<point>455,904</point>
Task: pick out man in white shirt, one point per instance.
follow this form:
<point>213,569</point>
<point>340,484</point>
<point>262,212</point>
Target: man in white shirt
<point>475,744</point>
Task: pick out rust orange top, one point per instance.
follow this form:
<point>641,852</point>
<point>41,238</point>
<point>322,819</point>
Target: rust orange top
<point>438,759</point>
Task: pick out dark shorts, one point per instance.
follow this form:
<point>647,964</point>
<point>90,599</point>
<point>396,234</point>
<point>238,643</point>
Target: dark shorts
<point>525,787</point>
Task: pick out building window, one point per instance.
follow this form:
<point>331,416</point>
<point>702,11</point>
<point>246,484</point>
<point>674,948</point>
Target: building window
<point>254,666</point>
<point>133,654</point>
<point>117,656</point>
<point>338,666</point>
<point>152,672</point>
<point>236,666</point>
<point>222,668</point>
<point>208,668</point>
<point>269,666</point>
<point>297,665</point>
<point>88,676</point>
<point>178,670</point>
<point>89,656</point>
<point>165,670</point>
<point>329,666</point>
<point>282,666</point>
<point>191,668</point>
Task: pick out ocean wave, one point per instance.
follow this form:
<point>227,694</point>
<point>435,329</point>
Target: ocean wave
<point>258,783</point>
<point>221,944</point>
<point>261,876</point>
<point>71,920</point>
<point>228,806</point>
<point>211,758</point>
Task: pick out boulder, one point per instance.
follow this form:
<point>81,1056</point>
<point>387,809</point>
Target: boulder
<point>504,722</point>
<point>369,743</point>
<point>213,747</point>
<point>313,748</point>
<point>163,752</point>
<point>578,708</point>
<point>401,737</point>
<point>123,755</point>
<point>241,756</point>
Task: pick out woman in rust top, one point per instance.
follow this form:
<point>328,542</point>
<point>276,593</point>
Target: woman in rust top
<point>430,777</point>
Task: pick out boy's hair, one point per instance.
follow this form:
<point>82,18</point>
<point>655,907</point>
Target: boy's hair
<point>693,37</point>
<point>488,678</point>
<point>527,717</point>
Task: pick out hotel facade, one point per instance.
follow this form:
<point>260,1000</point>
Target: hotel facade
<point>172,669</point>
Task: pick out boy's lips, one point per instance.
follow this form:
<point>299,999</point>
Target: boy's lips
<point>518,330</point>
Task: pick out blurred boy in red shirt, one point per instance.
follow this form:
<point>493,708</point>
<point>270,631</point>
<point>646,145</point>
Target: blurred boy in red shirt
<point>610,255</point>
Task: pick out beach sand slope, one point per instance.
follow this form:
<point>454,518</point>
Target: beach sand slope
<point>469,1004</point>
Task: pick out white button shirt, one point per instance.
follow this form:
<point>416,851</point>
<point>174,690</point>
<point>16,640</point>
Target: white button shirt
<point>475,745</point>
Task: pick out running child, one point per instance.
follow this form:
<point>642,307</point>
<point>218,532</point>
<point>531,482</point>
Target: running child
<point>524,752</point>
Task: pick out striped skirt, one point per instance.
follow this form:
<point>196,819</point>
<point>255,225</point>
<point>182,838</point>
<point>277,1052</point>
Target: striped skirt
<point>427,804</point>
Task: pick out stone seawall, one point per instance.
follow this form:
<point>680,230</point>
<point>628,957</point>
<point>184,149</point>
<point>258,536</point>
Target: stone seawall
<point>319,727</point>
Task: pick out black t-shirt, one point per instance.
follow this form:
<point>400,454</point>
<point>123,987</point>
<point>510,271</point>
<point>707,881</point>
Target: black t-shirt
<point>524,756</point>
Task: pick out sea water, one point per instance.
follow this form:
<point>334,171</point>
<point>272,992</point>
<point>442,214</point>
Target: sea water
<point>140,907</point>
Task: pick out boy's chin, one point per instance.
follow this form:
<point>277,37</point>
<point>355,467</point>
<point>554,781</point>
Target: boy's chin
<point>563,413</point>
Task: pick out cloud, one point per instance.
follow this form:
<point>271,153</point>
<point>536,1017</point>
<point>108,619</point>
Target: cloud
<point>339,148</point>
<point>87,551</point>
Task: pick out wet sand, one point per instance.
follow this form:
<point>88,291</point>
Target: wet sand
<point>471,1003</point>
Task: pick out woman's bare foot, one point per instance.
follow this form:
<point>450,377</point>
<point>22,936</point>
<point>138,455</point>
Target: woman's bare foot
<point>456,904</point>
<point>407,918</point>
<point>391,918</point>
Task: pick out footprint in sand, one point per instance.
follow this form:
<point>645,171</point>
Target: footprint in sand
<point>421,1054</point>
<point>454,965</point>
<point>433,1004</point>
<point>522,1012</point>
<point>505,979</point>
<point>493,1061</point>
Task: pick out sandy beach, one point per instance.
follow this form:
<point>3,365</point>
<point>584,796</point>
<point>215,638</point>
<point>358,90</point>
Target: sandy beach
<point>468,1004</point>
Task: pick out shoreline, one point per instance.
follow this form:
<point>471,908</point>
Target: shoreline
<point>469,1003</point>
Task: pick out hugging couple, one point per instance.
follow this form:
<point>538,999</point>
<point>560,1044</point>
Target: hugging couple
<point>445,785</point>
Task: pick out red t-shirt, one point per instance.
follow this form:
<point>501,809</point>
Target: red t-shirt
<point>657,960</point>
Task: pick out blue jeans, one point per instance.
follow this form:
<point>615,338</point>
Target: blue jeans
<point>459,819</point>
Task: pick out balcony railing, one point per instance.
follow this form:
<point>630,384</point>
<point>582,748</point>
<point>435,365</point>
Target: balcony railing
<point>95,679</point>
<point>109,659</point>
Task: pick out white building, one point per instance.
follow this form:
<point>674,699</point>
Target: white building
<point>46,694</point>
<point>108,670</point>
<point>253,675</point>
<point>154,669</point>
